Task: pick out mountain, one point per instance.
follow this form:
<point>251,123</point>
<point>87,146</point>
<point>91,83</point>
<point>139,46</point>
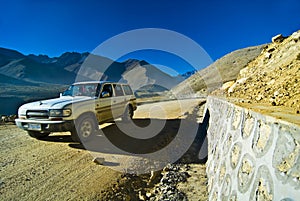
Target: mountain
<point>148,75</point>
<point>134,72</point>
<point>223,70</point>
<point>36,77</point>
<point>73,66</point>
<point>30,69</point>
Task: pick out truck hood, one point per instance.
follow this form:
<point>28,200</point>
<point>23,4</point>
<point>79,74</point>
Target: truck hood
<point>56,103</point>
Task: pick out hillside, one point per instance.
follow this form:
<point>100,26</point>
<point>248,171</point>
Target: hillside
<point>148,75</point>
<point>29,70</point>
<point>7,55</point>
<point>223,70</point>
<point>10,80</point>
<point>273,77</point>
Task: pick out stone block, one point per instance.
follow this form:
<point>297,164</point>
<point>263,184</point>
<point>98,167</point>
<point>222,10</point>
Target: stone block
<point>262,139</point>
<point>246,173</point>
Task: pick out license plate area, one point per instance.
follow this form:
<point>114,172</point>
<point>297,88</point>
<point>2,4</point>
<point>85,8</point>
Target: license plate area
<point>35,127</point>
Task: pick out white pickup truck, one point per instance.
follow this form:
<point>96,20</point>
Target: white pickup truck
<point>79,110</point>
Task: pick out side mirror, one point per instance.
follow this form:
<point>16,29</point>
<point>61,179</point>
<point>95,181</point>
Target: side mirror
<point>105,94</point>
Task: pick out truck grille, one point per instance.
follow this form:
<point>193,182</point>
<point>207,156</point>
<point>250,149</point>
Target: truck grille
<point>37,114</point>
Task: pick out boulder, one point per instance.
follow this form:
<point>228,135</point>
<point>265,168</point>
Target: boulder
<point>278,38</point>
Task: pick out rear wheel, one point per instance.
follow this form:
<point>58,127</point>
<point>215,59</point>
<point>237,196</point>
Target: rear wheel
<point>85,128</point>
<point>128,114</point>
<point>37,134</point>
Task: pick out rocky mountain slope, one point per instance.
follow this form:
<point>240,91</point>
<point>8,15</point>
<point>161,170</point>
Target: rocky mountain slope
<point>223,70</point>
<point>273,77</point>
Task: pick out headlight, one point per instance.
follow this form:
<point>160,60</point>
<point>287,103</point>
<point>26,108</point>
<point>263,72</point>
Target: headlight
<point>22,112</point>
<point>60,113</point>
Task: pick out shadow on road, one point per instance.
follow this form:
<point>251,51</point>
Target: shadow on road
<point>182,139</point>
<point>58,138</point>
<point>154,137</point>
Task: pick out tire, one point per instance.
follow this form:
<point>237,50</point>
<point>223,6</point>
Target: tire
<point>38,135</point>
<point>85,128</point>
<point>128,114</point>
<point>74,135</point>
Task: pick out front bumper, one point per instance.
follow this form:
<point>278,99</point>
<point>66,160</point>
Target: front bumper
<point>45,125</point>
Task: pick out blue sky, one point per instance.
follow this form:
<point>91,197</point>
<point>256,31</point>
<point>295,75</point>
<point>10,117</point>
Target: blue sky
<point>54,27</point>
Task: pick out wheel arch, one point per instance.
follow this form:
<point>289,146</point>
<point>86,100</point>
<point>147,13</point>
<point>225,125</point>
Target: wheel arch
<point>129,105</point>
<point>90,114</point>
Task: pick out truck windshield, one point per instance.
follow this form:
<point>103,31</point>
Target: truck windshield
<point>90,89</point>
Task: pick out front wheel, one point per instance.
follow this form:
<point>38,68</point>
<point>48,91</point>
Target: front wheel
<point>37,134</point>
<point>85,127</point>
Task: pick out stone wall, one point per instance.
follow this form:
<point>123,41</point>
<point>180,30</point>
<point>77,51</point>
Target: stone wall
<point>251,156</point>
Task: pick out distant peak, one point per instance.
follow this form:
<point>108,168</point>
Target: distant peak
<point>143,63</point>
<point>130,62</point>
<point>69,54</point>
<point>40,55</point>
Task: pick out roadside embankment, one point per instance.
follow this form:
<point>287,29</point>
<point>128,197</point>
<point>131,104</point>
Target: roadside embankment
<point>251,155</point>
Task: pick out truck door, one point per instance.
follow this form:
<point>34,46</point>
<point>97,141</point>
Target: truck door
<point>119,101</point>
<point>104,103</point>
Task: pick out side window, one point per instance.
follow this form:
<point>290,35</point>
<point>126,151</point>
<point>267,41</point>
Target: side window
<point>127,90</point>
<point>107,88</point>
<point>118,90</point>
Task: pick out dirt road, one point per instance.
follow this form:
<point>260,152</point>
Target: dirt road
<point>48,170</point>
<point>56,168</point>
